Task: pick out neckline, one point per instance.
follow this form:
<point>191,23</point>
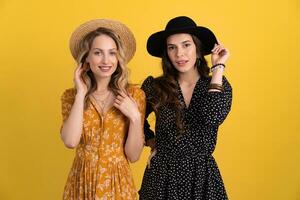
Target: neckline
<point>96,105</point>
<point>181,97</point>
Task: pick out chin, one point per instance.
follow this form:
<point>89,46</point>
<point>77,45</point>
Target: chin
<point>186,69</point>
<point>183,70</point>
<point>106,75</point>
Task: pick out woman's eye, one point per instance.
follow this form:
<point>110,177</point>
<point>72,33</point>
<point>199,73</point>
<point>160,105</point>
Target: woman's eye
<point>187,44</point>
<point>113,53</point>
<point>170,47</point>
<point>97,52</point>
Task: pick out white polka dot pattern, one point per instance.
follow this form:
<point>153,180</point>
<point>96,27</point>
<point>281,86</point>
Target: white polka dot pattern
<point>184,167</point>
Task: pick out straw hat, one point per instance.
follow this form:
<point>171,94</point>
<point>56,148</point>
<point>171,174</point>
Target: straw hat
<point>125,35</point>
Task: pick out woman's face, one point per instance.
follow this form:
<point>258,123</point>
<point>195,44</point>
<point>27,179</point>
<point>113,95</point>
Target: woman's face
<point>102,56</point>
<point>181,50</point>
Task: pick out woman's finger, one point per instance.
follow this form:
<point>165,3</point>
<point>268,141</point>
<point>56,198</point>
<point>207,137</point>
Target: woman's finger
<point>121,93</point>
<point>116,105</point>
<point>132,99</point>
<point>120,98</point>
<point>79,66</point>
<point>214,47</point>
<point>117,101</point>
<point>78,71</point>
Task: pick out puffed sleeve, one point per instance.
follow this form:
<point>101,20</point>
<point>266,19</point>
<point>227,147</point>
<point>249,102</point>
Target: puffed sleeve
<point>216,105</point>
<point>67,100</point>
<point>147,88</point>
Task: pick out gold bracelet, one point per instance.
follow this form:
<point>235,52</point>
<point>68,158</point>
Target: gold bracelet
<point>216,86</point>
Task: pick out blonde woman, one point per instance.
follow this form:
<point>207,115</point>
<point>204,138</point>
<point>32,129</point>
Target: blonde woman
<point>102,115</point>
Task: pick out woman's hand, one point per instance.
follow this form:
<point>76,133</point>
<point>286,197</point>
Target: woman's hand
<point>127,105</point>
<point>219,54</point>
<point>79,83</point>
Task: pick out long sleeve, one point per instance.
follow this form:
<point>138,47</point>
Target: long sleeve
<point>147,88</point>
<point>216,105</point>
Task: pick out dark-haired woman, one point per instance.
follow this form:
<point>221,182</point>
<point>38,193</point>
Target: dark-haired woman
<point>189,106</point>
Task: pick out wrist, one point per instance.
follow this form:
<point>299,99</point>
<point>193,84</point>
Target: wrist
<point>135,117</point>
<point>217,75</point>
<point>80,95</point>
<point>217,67</point>
<point>217,62</point>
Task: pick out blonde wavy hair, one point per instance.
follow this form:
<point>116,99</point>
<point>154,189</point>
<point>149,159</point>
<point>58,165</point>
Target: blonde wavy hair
<point>119,79</point>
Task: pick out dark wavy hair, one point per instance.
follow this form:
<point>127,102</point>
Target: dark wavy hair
<point>166,86</point>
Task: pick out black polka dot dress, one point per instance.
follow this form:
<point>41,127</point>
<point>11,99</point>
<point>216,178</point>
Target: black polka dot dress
<point>184,168</point>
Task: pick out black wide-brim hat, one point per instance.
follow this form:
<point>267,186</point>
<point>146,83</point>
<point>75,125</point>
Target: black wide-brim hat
<point>157,41</point>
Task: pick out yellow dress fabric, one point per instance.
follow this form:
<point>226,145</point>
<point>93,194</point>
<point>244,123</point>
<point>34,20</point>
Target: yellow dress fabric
<point>100,169</point>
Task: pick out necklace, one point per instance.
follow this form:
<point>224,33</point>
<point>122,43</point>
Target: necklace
<point>102,102</point>
<point>101,92</point>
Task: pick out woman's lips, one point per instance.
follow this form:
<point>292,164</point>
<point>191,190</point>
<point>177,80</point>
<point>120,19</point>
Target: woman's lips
<point>181,62</point>
<point>104,68</point>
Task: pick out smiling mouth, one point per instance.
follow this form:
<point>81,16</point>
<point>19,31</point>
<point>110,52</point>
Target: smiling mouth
<point>182,62</point>
<point>104,68</point>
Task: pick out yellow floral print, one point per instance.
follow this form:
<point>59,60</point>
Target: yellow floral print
<point>100,170</point>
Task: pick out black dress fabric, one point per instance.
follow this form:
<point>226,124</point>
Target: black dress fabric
<point>184,168</point>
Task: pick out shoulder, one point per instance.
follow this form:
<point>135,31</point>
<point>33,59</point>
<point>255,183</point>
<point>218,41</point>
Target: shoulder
<point>147,85</point>
<point>136,92</point>
<point>68,94</point>
<point>148,81</point>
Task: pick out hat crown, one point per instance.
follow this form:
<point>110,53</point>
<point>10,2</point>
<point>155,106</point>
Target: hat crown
<point>181,22</point>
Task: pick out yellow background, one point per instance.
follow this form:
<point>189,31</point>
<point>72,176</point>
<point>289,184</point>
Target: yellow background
<point>257,150</point>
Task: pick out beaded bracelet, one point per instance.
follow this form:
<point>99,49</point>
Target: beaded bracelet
<point>216,86</point>
<point>217,66</point>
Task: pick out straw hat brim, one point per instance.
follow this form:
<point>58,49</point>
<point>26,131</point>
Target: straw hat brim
<point>126,36</point>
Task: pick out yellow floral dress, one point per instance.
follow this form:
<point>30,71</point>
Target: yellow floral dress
<point>100,169</point>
